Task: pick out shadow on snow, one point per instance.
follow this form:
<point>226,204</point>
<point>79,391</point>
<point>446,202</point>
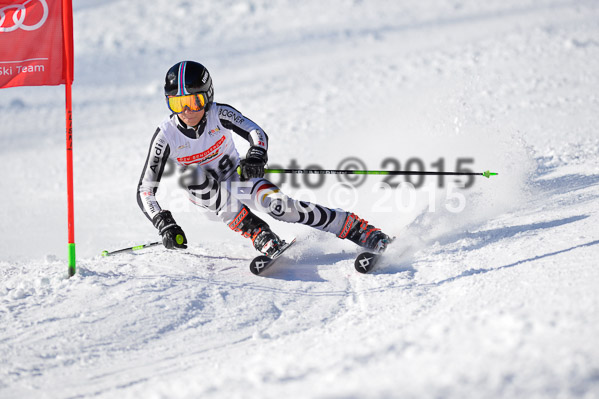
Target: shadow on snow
<point>472,272</point>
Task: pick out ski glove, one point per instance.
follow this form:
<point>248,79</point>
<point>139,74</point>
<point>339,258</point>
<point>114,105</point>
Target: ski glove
<point>253,164</point>
<point>172,235</point>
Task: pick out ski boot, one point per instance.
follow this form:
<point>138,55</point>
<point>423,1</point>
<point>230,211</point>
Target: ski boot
<point>267,242</point>
<point>358,230</point>
<point>251,226</point>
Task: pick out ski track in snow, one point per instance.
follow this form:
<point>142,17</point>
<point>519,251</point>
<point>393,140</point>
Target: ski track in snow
<point>500,300</point>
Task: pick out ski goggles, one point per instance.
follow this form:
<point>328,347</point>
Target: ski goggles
<point>195,102</point>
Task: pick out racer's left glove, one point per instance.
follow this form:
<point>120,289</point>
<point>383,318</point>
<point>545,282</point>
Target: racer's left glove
<point>253,164</point>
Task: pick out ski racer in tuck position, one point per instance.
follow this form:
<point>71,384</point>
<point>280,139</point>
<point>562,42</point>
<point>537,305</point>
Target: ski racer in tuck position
<point>199,133</point>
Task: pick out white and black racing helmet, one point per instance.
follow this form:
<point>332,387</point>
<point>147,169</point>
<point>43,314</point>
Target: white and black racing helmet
<point>189,77</point>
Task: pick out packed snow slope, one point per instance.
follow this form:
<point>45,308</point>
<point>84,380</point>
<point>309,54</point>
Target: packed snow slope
<point>489,291</point>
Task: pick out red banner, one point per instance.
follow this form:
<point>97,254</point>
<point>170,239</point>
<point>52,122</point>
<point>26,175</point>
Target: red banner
<point>32,42</point>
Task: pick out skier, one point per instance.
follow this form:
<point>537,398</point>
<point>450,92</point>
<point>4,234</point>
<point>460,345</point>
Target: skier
<point>199,132</point>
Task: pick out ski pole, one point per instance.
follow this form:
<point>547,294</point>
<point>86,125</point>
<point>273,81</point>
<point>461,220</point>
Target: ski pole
<point>135,248</point>
<point>486,174</point>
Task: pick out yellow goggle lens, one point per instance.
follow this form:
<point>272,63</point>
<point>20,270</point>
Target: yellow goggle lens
<point>195,102</point>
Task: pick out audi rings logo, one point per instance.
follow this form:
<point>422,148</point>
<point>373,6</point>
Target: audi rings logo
<point>19,18</point>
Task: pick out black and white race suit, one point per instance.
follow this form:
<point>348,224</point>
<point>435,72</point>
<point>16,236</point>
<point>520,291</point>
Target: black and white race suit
<point>210,149</point>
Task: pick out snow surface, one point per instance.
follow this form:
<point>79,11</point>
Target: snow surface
<point>500,300</point>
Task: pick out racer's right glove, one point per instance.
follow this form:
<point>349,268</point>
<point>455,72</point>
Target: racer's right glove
<point>172,235</point>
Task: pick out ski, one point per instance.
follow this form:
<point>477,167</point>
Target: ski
<point>263,262</point>
<point>366,261</point>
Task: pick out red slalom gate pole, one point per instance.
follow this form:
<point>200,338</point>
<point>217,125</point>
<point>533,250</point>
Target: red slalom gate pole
<point>67,28</point>
<point>71,206</point>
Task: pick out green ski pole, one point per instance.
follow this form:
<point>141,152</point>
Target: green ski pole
<point>135,248</point>
<point>486,174</point>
